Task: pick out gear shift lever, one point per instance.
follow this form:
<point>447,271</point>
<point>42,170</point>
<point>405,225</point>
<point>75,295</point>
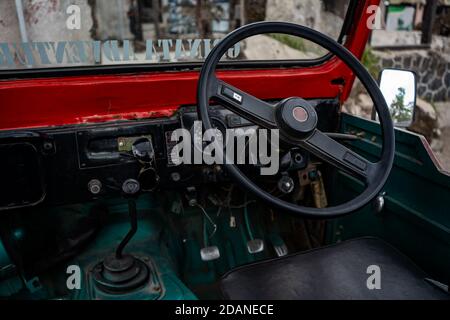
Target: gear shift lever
<point>131,232</point>
<point>121,273</point>
<point>130,188</point>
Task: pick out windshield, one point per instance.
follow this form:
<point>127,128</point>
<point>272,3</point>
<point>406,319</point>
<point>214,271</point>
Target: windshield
<point>65,33</point>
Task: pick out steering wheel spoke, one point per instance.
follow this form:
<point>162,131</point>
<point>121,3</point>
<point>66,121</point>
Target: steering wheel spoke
<point>339,156</point>
<point>243,104</point>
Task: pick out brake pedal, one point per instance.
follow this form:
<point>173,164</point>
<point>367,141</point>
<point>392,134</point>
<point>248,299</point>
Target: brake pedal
<point>210,253</point>
<point>255,246</point>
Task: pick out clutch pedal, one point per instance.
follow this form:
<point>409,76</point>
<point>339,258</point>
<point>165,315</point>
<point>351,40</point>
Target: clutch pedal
<point>208,253</point>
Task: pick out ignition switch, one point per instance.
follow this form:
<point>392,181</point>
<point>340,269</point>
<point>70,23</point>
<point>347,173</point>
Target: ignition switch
<point>143,150</point>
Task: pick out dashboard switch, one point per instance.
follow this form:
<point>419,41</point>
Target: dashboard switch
<point>227,92</point>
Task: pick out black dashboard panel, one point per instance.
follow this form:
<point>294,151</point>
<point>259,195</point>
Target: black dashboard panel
<point>21,182</point>
<point>88,162</point>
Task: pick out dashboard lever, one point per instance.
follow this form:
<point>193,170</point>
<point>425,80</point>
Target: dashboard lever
<point>19,135</point>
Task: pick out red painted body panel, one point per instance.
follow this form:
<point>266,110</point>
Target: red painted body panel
<point>88,99</point>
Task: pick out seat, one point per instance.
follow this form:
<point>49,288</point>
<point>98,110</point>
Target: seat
<point>334,272</point>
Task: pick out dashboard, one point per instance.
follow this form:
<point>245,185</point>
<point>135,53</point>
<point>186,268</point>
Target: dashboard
<point>82,163</point>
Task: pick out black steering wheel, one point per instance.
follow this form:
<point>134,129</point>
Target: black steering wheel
<point>296,120</point>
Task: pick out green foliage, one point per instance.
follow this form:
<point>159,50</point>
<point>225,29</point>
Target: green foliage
<point>291,41</point>
<point>370,61</point>
<point>399,111</point>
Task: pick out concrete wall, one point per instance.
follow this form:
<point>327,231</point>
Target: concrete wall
<point>45,20</point>
<point>112,20</point>
<point>310,13</point>
<point>9,25</point>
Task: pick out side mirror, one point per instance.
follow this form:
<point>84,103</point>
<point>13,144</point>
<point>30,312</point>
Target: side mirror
<point>399,90</point>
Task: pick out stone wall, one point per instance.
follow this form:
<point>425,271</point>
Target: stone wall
<point>432,69</point>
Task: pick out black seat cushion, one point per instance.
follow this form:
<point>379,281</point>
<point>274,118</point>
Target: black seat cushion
<point>334,272</point>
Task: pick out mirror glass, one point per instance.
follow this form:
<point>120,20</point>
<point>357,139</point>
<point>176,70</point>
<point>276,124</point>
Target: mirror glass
<point>399,90</point>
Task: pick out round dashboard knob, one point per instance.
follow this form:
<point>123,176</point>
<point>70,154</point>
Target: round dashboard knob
<point>95,186</point>
<point>286,184</point>
<point>131,187</point>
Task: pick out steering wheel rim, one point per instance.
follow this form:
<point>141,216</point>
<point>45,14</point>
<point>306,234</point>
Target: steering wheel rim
<point>209,87</point>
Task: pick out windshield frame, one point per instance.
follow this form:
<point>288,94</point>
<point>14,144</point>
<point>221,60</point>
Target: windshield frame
<point>180,66</point>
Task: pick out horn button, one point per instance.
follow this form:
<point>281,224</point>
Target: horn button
<point>296,117</point>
